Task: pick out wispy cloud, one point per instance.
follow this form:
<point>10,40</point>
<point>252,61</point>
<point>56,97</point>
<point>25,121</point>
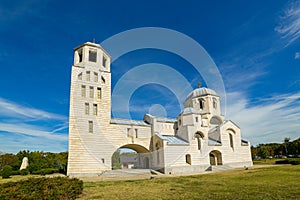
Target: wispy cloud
<point>14,110</point>
<point>289,24</point>
<point>268,119</point>
<point>32,125</point>
<point>297,55</point>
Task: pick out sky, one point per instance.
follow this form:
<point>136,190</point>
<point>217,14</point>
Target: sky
<point>254,45</point>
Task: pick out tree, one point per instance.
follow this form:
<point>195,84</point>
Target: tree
<point>6,171</point>
<point>116,164</point>
<point>286,141</point>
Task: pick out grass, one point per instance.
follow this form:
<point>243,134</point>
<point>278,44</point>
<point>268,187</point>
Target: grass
<point>271,161</point>
<point>16,178</point>
<point>280,182</point>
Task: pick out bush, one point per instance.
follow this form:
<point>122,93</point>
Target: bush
<point>46,171</point>
<point>42,188</point>
<point>24,172</point>
<point>6,171</point>
<point>294,161</point>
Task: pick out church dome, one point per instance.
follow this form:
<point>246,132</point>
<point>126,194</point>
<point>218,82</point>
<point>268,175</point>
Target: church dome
<point>189,110</point>
<point>201,92</point>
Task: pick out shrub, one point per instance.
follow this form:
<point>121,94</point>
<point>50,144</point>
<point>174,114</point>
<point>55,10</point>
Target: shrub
<point>42,188</point>
<point>6,171</point>
<point>46,171</point>
<point>294,161</point>
<point>24,172</point>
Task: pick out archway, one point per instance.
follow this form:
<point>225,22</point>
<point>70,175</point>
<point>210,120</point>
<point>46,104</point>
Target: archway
<point>131,156</point>
<point>215,157</point>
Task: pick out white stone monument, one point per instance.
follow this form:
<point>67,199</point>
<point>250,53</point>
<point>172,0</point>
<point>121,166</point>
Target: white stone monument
<point>24,164</point>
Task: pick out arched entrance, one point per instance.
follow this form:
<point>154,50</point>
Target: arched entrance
<point>215,157</point>
<point>131,156</point>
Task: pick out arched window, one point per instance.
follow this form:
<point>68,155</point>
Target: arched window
<point>199,136</point>
<point>231,140</point>
<point>188,159</point>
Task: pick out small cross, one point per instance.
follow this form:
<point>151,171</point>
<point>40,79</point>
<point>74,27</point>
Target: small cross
<point>199,84</point>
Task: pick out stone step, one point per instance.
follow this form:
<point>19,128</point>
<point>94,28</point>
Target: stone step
<point>217,168</point>
<point>126,172</point>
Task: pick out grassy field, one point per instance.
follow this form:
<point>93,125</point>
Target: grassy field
<point>282,182</point>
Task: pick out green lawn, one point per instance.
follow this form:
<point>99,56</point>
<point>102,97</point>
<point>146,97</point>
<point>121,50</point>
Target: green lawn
<point>282,182</point>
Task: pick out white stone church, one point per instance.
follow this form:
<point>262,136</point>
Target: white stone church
<point>198,139</point>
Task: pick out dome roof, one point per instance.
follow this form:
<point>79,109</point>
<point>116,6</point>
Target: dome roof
<point>201,92</point>
<point>189,110</point>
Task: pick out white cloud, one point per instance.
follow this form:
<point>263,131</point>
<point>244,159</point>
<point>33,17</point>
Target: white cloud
<point>30,130</point>
<point>14,110</point>
<point>289,24</point>
<point>268,120</point>
<point>297,55</point>
<point>36,127</point>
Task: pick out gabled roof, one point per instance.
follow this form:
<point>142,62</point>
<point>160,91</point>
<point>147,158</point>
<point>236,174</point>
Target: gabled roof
<point>172,140</point>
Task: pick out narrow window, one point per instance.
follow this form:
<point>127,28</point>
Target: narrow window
<point>91,127</point>
<point>102,80</point>
<point>95,109</point>
<point>80,56</point>
<point>214,103</point>
<point>103,161</point>
<point>196,119</point>
<point>104,61</point>
<point>99,93</point>
<point>88,75</point>
<point>188,159</point>
<point>92,56</point>
<point>179,122</point>
<point>80,76</point>
<point>128,132</point>
<point>91,92</point>
<point>136,133</point>
<point>95,77</point>
<point>231,140</point>
<point>157,152</point>
<point>201,103</point>
<point>86,108</point>
<point>83,91</point>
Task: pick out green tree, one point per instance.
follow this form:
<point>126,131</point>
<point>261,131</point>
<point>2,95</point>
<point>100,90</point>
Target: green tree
<point>116,164</point>
<point>6,171</point>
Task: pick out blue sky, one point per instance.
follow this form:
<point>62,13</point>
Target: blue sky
<point>254,44</point>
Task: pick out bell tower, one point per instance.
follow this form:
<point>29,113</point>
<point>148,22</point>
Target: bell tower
<point>90,101</point>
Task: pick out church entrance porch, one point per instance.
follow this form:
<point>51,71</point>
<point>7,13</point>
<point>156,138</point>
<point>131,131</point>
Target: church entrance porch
<point>215,157</point>
<point>131,156</point>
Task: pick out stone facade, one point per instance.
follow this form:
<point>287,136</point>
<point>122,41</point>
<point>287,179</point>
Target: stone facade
<point>197,139</point>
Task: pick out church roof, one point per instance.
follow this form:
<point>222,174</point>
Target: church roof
<point>128,122</point>
<point>172,140</point>
<point>201,92</point>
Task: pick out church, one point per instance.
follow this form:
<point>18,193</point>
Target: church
<point>199,139</point>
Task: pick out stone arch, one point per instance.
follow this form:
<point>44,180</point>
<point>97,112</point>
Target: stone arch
<point>215,157</point>
<point>141,160</point>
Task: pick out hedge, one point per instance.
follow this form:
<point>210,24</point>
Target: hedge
<point>289,161</point>
<point>57,188</point>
